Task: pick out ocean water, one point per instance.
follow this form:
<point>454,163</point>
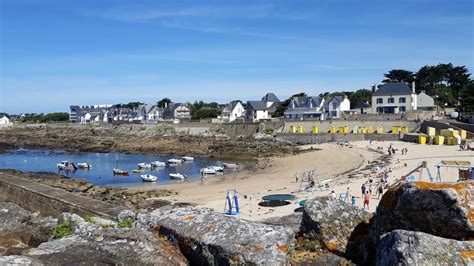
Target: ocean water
<point>102,165</point>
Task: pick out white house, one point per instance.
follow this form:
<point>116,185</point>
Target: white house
<point>424,101</point>
<point>393,98</point>
<point>232,111</point>
<point>176,111</point>
<point>336,105</point>
<point>272,102</point>
<point>305,107</point>
<point>5,120</point>
<point>257,111</point>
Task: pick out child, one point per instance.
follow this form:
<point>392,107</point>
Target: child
<point>353,200</point>
<point>366,200</point>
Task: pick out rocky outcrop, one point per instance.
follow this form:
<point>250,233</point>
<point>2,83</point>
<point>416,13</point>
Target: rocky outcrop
<point>341,228</point>
<point>401,247</point>
<point>445,210</point>
<point>292,221</point>
<point>209,238</point>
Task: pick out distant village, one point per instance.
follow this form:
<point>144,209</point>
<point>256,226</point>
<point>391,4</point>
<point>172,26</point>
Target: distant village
<point>389,98</point>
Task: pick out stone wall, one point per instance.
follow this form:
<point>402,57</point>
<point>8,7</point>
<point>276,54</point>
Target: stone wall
<point>324,126</point>
<point>308,138</point>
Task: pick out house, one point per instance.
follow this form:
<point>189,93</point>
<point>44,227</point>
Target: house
<point>424,101</point>
<point>176,111</point>
<point>393,98</point>
<point>256,111</point>
<point>305,107</point>
<point>150,113</point>
<point>232,111</point>
<point>361,108</point>
<point>272,102</point>
<point>336,105</point>
<point>5,120</point>
<point>88,113</point>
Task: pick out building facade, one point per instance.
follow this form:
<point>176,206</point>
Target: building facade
<point>89,113</point>
<point>393,98</point>
<point>305,107</point>
<point>232,111</point>
<point>336,106</point>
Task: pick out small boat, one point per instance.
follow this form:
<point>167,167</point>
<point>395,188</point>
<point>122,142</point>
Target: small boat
<point>145,165</point>
<point>178,176</point>
<point>137,171</point>
<point>175,161</point>
<point>66,165</point>
<point>84,165</point>
<point>158,164</point>
<point>120,172</point>
<point>217,168</point>
<point>187,158</point>
<point>231,165</point>
<point>208,171</point>
<point>149,178</point>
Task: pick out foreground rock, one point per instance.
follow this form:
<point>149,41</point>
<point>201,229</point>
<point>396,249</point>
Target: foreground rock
<point>445,210</point>
<point>292,221</point>
<point>401,247</point>
<point>341,228</point>
<point>209,238</point>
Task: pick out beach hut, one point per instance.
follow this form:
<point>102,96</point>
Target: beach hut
<point>300,129</point>
<point>332,129</point>
<point>430,131</point>
<point>395,129</point>
<point>379,130</point>
<point>404,129</point>
<point>439,140</point>
<point>370,130</point>
<point>315,130</point>
<point>292,129</point>
<point>422,139</point>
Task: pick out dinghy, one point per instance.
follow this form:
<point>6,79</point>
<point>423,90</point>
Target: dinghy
<point>178,176</point>
<point>217,168</point>
<point>145,165</point>
<point>120,172</point>
<point>188,158</point>
<point>149,178</point>
<point>84,165</point>
<point>175,161</point>
<point>208,171</point>
<point>158,164</point>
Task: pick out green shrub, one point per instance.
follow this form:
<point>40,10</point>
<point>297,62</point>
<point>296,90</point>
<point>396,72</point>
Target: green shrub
<point>125,223</point>
<point>269,131</point>
<point>89,220</point>
<point>62,229</point>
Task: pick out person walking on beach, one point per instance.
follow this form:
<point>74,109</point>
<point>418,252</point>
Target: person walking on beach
<point>380,191</point>
<point>353,201</point>
<point>366,200</point>
<point>333,195</point>
<point>348,194</point>
<point>363,188</point>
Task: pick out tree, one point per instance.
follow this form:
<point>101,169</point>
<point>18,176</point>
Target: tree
<point>4,114</point>
<point>206,112</point>
<point>280,110</point>
<point>398,75</point>
<point>164,102</point>
<point>467,98</point>
<point>360,96</point>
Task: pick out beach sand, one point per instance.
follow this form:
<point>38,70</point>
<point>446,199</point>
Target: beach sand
<point>332,161</point>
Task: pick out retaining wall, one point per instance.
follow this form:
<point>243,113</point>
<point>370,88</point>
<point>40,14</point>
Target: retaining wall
<point>324,126</point>
<point>308,138</point>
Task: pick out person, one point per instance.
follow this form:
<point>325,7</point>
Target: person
<point>380,191</point>
<point>348,194</point>
<point>406,151</point>
<point>333,195</point>
<point>353,201</point>
<point>363,188</point>
<point>366,199</point>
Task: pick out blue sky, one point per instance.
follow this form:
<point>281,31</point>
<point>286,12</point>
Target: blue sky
<point>55,53</point>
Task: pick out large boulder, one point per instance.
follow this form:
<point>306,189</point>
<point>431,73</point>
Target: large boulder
<point>341,228</point>
<point>292,221</point>
<point>401,247</point>
<point>207,237</point>
<point>445,210</point>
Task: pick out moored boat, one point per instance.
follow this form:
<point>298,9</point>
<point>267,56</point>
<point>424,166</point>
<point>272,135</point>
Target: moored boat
<point>145,165</point>
<point>175,161</point>
<point>231,165</point>
<point>84,165</point>
<point>187,158</point>
<point>120,172</point>
<point>65,165</point>
<point>149,178</point>
<point>137,171</point>
<point>158,164</point>
<point>217,168</point>
<point>178,176</point>
<point>208,171</point>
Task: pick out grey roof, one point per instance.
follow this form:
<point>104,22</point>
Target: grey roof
<point>257,105</point>
<point>303,101</point>
<point>232,105</point>
<point>361,105</point>
<point>270,97</point>
<point>393,89</point>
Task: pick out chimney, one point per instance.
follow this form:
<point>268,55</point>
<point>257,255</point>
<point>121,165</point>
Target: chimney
<point>375,87</point>
<point>413,87</point>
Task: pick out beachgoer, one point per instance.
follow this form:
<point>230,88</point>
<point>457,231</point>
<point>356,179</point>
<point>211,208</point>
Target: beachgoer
<point>363,188</point>
<point>366,200</point>
<point>348,194</point>
<point>380,191</point>
<point>353,201</point>
<point>333,195</point>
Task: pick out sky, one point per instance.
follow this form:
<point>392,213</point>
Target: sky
<point>56,53</point>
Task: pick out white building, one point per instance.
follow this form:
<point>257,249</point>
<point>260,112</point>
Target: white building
<point>424,101</point>
<point>177,111</point>
<point>257,111</point>
<point>336,105</point>
<point>5,120</point>
<point>232,111</point>
<point>305,107</point>
<point>393,98</point>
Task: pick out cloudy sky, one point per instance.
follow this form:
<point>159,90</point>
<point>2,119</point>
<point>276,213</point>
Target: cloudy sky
<point>54,53</point>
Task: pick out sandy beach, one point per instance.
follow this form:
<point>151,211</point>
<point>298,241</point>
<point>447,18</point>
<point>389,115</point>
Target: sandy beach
<point>331,161</point>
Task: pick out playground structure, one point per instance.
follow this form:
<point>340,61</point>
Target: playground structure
<point>421,167</point>
<point>466,170</point>
<point>231,203</point>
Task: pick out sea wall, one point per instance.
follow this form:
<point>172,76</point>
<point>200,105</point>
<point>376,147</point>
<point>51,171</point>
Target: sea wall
<point>324,126</point>
<point>308,138</point>
<point>51,201</point>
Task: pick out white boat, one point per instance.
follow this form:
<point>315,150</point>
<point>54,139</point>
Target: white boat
<point>175,161</point>
<point>84,165</point>
<point>120,172</point>
<point>187,158</point>
<point>158,164</point>
<point>66,165</point>
<point>145,165</point>
<point>149,178</point>
<point>217,168</point>
<point>178,176</point>
<point>231,165</point>
<point>208,171</point>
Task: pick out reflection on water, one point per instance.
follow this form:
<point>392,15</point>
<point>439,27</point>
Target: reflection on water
<point>102,165</point>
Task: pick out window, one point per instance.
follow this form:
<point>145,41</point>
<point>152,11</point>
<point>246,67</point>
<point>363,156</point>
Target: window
<point>379,110</point>
<point>334,113</point>
<point>334,105</point>
<point>402,108</point>
<point>379,100</point>
<point>402,100</point>
<point>391,100</point>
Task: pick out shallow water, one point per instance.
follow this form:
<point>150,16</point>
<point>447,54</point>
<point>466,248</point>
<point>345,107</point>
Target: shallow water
<point>102,165</point>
